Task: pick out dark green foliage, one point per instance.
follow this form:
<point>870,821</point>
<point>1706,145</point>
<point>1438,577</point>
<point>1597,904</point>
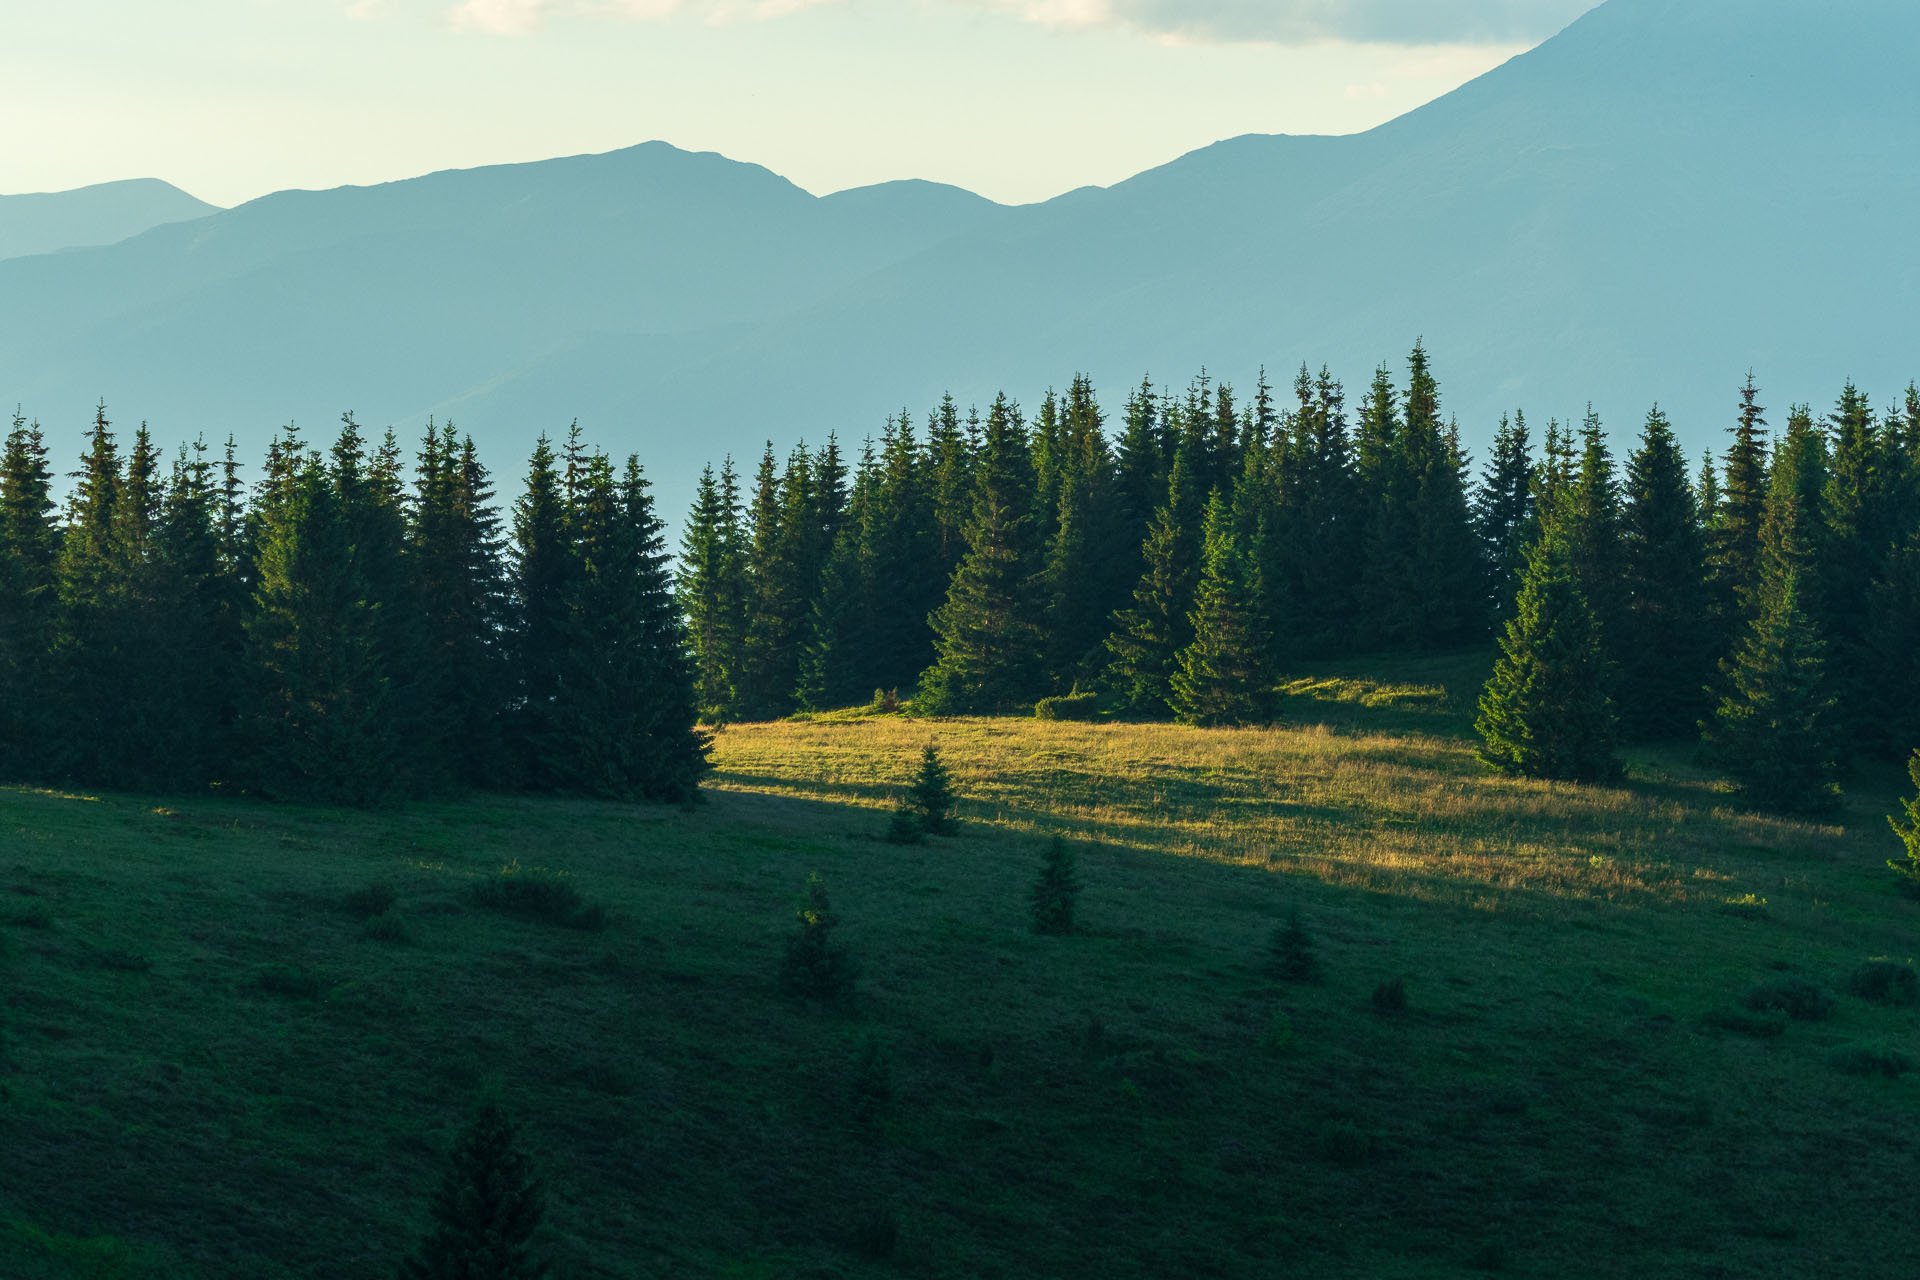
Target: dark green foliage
<point>1503,514</point>
<point>1390,997</point>
<point>905,827</point>
<point>813,964</point>
<point>1291,953</point>
<point>1056,891</point>
<point>991,642</point>
<point>538,894</point>
<point>877,1235</point>
<point>1888,662</point>
<point>1068,706</point>
<point>1223,676</point>
<point>931,797</point>
<point>1545,712</point>
<point>1664,648</point>
<point>1149,635</point>
<point>317,722</point>
<point>1799,999</point>
<point>1733,553</point>
<point>712,587</point>
<point>1885,982</point>
<point>374,899</point>
<point>486,1211</point>
<point>1908,869</point>
<point>1873,1060</point>
<point>290,981</point>
<point>1771,730</point>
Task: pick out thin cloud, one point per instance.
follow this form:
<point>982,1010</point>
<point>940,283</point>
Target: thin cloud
<point>516,17</point>
<point>1307,21</point>
<point>1400,22</point>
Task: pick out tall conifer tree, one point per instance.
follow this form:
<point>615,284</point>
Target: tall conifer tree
<point>1665,645</point>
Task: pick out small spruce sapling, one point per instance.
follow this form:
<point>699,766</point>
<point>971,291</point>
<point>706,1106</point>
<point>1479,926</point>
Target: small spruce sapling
<point>1056,891</point>
<point>931,797</point>
<point>1909,832</point>
<point>486,1210</point>
<point>1290,952</point>
<point>815,965</point>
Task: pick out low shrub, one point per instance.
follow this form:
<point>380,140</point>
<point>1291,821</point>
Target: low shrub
<point>1872,1060</point>
<point>1799,999</point>
<point>1056,892</point>
<point>1291,953</point>
<point>1390,997</point>
<point>1279,1037</point>
<point>1068,706</point>
<point>123,960</point>
<point>886,702</point>
<point>905,827</point>
<point>1884,982</point>
<point>373,900</point>
<point>1344,1143</point>
<point>814,965</point>
<point>388,926</point>
<point>1491,1255</point>
<point>877,1235</point>
<point>1764,1026</point>
<point>538,894</point>
<point>290,981</point>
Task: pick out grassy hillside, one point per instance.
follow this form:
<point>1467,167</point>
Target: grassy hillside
<point>221,1060</point>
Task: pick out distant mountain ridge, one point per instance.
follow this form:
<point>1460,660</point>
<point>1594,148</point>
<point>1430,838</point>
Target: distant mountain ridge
<point>106,213</point>
<point>1665,195</point>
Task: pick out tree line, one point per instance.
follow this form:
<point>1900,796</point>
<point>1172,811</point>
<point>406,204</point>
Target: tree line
<point>1178,561</point>
<point>340,630</point>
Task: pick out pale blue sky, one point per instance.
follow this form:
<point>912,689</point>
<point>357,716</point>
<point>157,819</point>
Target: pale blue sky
<point>1017,99</point>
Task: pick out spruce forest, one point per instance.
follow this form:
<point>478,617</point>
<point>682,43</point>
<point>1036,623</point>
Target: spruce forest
<point>356,627</point>
<point>1229,835</point>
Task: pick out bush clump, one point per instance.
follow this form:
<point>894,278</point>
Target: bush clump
<point>1872,1060</point>
<point>373,900</point>
<point>1056,891</point>
<point>1799,999</point>
<point>538,894</point>
<point>1345,1143</point>
<point>290,981</point>
<point>1884,982</point>
<point>1291,953</point>
<point>1068,706</point>
<point>1390,997</point>
<point>388,926</point>
<point>814,965</point>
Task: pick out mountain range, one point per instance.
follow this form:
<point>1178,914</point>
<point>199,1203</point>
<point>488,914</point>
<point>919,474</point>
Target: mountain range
<point>1668,194</point>
<point>107,213</point>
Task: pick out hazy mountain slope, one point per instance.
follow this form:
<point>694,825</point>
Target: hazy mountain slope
<point>103,214</point>
<point>1667,194</point>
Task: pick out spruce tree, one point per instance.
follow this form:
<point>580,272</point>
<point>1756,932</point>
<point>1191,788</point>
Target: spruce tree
<point>814,965</point>
<point>1223,676</point>
<point>1733,556</point>
<point>931,797</point>
<point>89,675</point>
<point>542,587</point>
<point>1591,526</point>
<point>1503,514</point>
<point>1890,660</point>
<point>1149,636</point>
<point>454,552</point>
<point>712,592</point>
<point>29,553</point>
<point>1315,551</point>
<point>1665,641</point>
<point>317,725</point>
<point>1087,570</point>
<point>991,644</point>
<point>486,1210</point>
<point>1772,730</point>
<point>1545,712</point>
<point>1056,891</point>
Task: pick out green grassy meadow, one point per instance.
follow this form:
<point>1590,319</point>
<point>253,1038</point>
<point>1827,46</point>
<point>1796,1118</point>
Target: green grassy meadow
<point>220,1058</point>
